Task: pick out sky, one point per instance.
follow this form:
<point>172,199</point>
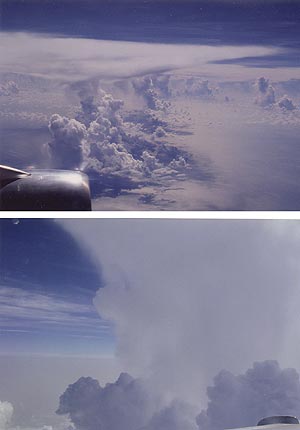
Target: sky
<point>182,105</point>
<point>173,306</point>
<point>48,284</point>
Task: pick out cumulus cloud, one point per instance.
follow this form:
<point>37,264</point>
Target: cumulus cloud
<point>286,103</point>
<point>154,89</point>
<point>9,88</point>
<point>242,400</point>
<point>262,84</point>
<point>198,87</point>
<point>106,146</point>
<point>125,404</point>
<point>233,401</point>
<point>67,147</point>
<point>266,96</point>
<point>6,412</point>
<point>176,416</point>
<point>266,92</point>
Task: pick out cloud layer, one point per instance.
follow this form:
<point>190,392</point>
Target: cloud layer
<point>234,401</point>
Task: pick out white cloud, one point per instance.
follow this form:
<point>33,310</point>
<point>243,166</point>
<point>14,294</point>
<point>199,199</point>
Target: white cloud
<point>22,311</point>
<point>234,401</point>
<point>9,88</point>
<point>193,293</point>
<point>75,59</point>
<point>6,412</point>
<point>242,400</point>
<point>286,103</point>
<point>100,142</point>
<point>67,147</point>
<point>125,404</point>
<point>176,416</point>
<point>266,92</point>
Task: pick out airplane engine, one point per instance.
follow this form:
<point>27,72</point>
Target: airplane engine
<point>43,190</point>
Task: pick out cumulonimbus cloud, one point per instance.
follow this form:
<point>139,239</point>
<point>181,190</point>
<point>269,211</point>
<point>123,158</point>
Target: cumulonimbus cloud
<point>103,144</point>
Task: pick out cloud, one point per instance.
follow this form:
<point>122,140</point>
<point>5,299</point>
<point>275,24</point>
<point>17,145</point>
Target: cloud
<point>153,88</point>
<point>198,88</point>
<point>67,147</point>
<point>116,153</point>
<point>73,59</point>
<point>6,412</point>
<point>205,278</point>
<point>286,103</point>
<point>188,299</point>
<point>176,416</point>
<point>124,404</point>
<point>233,401</point>
<point>266,92</point>
<point>9,88</point>
<point>242,400</point>
<point>266,96</point>
<point>23,311</point>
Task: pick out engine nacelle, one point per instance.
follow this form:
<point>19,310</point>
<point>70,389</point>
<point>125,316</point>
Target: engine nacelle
<point>44,190</point>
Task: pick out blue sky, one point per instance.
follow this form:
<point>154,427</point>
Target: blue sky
<point>47,285</point>
<point>190,21</point>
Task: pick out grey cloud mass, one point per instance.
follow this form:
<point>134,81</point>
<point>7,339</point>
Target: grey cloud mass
<point>242,400</point>
<point>194,293</point>
<point>125,404</point>
<point>234,401</point>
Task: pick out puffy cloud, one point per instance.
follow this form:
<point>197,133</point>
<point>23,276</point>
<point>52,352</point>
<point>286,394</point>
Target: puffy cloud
<point>104,145</point>
<point>286,103</point>
<point>153,89</point>
<point>112,158</point>
<point>198,87</point>
<point>150,163</point>
<point>67,146</point>
<point>197,305</point>
<point>123,405</point>
<point>9,88</point>
<point>233,401</point>
<point>200,297</point>
<point>6,412</point>
<point>242,400</point>
<point>266,96</point>
<point>266,92</point>
<point>262,84</point>
<point>177,416</point>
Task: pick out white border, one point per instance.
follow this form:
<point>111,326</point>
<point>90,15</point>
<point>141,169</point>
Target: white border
<point>266,215</point>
